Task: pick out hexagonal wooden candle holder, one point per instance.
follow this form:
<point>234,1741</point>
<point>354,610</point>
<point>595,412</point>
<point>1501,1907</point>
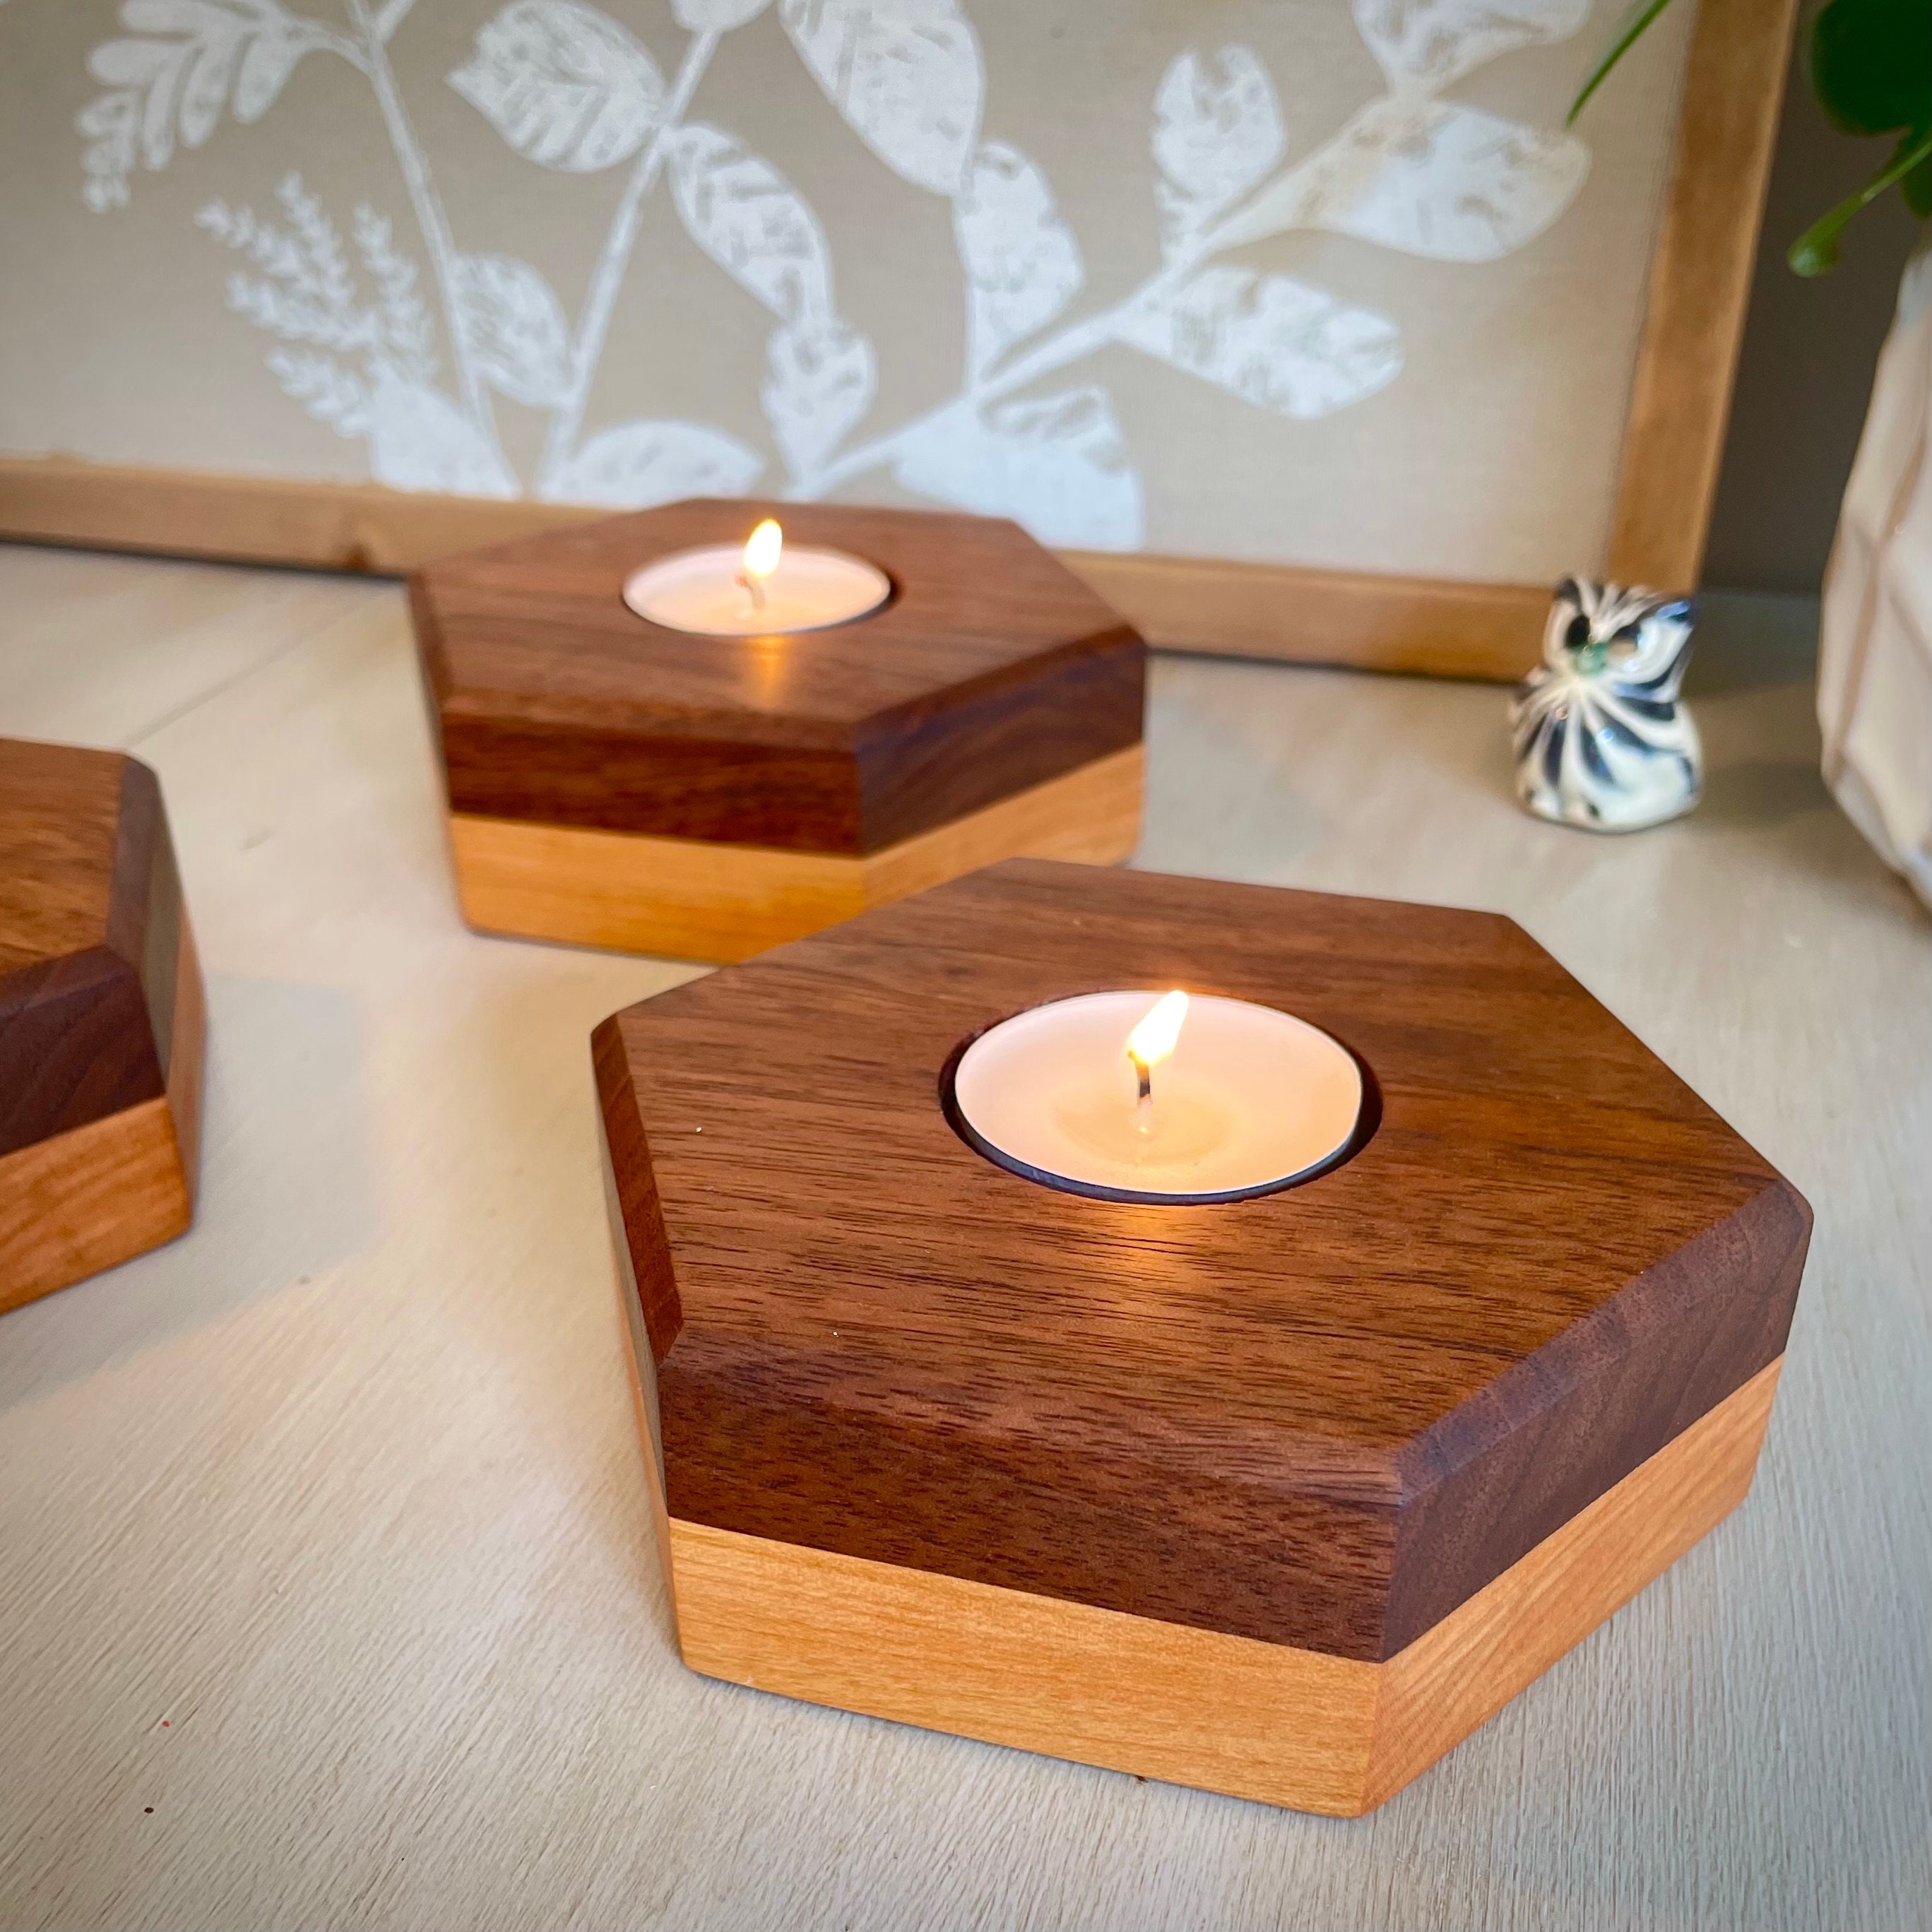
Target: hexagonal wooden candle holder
<point>613,783</point>
<point>1280,1497</point>
<point>101,1035</point>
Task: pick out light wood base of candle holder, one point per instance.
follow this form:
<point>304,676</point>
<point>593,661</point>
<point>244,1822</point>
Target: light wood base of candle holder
<point>1280,1497</point>
<point>694,898</point>
<point>1287,1727</point>
<point>102,1021</point>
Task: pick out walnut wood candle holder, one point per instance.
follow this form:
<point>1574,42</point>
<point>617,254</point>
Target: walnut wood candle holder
<point>101,1036</point>
<point>1282,1498</point>
<point>613,783</point>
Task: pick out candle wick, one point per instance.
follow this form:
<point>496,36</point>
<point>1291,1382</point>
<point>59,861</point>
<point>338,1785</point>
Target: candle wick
<point>756,589</point>
<point>1143,1097</point>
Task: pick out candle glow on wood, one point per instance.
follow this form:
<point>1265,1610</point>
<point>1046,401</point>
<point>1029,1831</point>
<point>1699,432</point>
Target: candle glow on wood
<point>1249,1099</point>
<point>768,588</point>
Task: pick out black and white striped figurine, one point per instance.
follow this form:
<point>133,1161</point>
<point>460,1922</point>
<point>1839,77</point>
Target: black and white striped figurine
<point>1602,739</point>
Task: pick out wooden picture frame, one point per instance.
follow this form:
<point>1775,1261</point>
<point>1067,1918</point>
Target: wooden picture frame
<point>1680,400</point>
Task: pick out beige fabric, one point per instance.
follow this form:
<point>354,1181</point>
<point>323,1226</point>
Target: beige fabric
<point>1432,327</point>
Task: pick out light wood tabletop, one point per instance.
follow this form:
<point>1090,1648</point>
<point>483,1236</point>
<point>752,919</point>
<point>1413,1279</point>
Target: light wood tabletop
<point>328,1591</point>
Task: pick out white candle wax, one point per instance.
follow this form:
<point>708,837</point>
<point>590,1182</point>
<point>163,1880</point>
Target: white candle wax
<point>706,592</point>
<point>1249,1100</point>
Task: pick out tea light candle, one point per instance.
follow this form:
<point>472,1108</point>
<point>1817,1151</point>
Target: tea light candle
<point>1135,1095</point>
<point>768,589</point>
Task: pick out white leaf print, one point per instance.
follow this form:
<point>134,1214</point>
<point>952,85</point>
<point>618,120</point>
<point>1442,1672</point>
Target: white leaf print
<point>400,317</point>
<point>751,222</point>
<point>1022,264</point>
<point>1448,182</point>
<point>638,464</point>
<point>1217,131</point>
<point>304,292</point>
<point>1271,339</point>
<point>329,392</point>
<point>170,88</point>
<point>1433,42</point>
<point>1058,465</point>
<point>265,66</point>
<point>906,75</point>
<point>819,383</point>
<point>716,16</point>
<point>565,86</point>
<point>1430,177</point>
<point>111,124</point>
<point>513,327</point>
<point>419,439</point>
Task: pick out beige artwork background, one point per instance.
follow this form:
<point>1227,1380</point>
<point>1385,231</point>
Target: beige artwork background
<point>1490,454</point>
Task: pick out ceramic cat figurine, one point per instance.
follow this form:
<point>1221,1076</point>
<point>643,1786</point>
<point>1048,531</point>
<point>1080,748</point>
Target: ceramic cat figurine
<point>1602,739</point>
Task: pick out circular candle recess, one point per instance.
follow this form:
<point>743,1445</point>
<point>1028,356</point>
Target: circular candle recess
<point>1249,1100</point>
<point>705,591</point>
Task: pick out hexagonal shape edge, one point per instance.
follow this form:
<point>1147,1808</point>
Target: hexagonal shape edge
<point>101,1019</point>
<point>1348,1458</point>
<point>613,782</point>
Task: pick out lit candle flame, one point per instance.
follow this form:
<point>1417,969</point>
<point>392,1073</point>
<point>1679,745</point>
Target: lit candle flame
<point>762,549</point>
<point>1151,1041</point>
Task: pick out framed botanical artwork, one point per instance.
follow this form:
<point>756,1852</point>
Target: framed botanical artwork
<point>1303,328</point>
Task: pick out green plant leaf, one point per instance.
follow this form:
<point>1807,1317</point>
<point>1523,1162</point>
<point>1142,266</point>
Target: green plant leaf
<point>1870,63</point>
<point>1634,25</point>
<point>1816,251</point>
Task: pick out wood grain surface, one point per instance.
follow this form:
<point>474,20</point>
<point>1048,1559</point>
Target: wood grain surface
<point>1700,279</point>
<point>324,1531</point>
<point>77,1038</point>
<point>992,669</point>
<point>90,1199</point>
<point>1323,1417</point>
<point>685,898</point>
<point>101,1019</point>
<point>92,932</point>
<point>1260,1721</point>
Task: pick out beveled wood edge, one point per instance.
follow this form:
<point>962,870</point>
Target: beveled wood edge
<point>82,1202</point>
<point>188,1055</point>
<point>1477,1448</point>
<point>1457,1676</point>
<point>1268,1722</point>
<point>78,1203</point>
<point>697,899</point>
<point>1700,283</point>
<point>1432,626</point>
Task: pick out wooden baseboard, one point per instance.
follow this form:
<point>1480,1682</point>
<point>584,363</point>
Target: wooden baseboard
<point>353,526</point>
<point>1283,1726</point>
<point>1432,626</point>
<point>688,899</point>
<point>1428,625</point>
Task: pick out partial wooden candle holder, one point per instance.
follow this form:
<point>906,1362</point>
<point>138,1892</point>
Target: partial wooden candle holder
<point>101,1027</point>
<point>1281,1498</point>
<point>613,783</point>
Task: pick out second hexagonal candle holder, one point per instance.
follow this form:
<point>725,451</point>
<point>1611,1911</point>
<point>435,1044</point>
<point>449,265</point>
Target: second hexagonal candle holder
<point>102,1020</point>
<point>1279,1493</point>
<point>692,783</point>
